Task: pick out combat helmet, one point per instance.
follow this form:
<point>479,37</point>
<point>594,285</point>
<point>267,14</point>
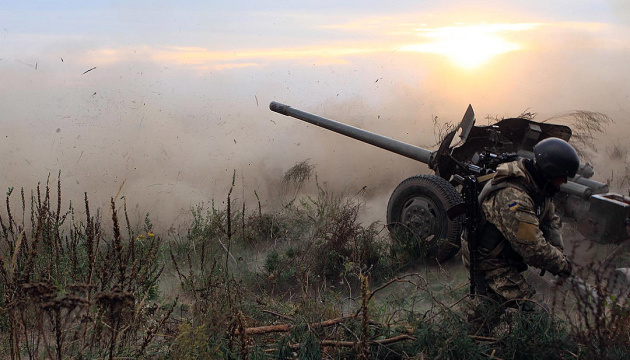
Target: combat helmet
<point>555,158</point>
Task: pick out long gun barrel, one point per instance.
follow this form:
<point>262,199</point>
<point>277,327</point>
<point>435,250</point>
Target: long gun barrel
<point>580,187</point>
<point>383,142</point>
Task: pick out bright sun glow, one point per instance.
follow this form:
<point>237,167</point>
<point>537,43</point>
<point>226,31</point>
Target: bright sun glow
<point>468,46</point>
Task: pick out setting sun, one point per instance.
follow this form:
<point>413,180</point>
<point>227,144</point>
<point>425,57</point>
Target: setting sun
<point>468,46</point>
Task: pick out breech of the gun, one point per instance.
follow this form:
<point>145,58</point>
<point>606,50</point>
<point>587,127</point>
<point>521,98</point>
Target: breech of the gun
<point>383,142</point>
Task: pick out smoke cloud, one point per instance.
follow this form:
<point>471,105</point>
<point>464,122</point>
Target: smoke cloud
<point>170,134</point>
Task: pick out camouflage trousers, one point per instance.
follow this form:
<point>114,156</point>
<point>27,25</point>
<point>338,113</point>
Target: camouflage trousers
<point>508,286</point>
<point>499,292</point>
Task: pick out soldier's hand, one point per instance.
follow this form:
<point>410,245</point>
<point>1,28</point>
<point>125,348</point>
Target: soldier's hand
<point>568,269</point>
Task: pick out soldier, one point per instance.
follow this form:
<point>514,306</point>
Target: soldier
<point>521,227</point>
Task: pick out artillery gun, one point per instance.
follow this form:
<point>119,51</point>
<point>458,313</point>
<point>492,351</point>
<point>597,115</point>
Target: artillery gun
<point>416,211</point>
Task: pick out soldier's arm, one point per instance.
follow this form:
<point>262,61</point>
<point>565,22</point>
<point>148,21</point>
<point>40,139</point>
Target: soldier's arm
<point>515,217</point>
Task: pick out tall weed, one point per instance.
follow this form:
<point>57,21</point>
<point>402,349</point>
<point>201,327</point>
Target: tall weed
<point>70,291</point>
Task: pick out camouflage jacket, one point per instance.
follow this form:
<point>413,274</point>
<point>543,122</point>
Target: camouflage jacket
<point>528,227</point>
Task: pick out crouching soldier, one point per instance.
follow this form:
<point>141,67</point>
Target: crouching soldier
<point>521,227</point>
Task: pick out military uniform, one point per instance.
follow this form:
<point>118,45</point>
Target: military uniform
<point>521,228</point>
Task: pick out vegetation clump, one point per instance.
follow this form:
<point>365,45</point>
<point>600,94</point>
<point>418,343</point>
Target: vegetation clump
<point>70,289</point>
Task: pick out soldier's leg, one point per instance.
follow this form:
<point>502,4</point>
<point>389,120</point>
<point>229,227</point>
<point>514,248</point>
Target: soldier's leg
<point>498,290</point>
<point>485,308</point>
<point>511,287</point>
<point>523,307</point>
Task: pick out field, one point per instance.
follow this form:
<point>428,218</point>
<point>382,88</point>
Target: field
<point>307,280</point>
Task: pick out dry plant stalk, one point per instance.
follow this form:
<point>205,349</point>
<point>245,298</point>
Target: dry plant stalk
<point>60,299</point>
<point>586,125</point>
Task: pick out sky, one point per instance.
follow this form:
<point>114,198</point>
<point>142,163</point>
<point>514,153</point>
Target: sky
<point>162,102</point>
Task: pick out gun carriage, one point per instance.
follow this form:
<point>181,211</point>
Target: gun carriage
<point>417,208</point>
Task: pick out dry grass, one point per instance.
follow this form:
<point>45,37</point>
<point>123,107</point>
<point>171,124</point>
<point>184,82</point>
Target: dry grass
<point>71,289</point>
<point>586,126</point>
<point>68,289</point>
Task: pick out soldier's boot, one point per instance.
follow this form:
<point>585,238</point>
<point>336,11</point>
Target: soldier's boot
<point>484,315</point>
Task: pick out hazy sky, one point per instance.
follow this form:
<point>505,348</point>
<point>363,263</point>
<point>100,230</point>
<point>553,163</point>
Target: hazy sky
<point>177,95</point>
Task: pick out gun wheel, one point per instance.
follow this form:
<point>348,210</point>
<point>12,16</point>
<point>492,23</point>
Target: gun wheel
<point>417,220</point>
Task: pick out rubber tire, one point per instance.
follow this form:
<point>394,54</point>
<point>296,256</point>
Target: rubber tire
<point>434,195</point>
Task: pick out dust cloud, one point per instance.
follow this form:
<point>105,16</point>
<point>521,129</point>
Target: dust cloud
<point>169,137</point>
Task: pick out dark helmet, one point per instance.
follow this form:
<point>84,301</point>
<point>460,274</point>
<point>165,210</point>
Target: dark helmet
<point>555,158</point>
